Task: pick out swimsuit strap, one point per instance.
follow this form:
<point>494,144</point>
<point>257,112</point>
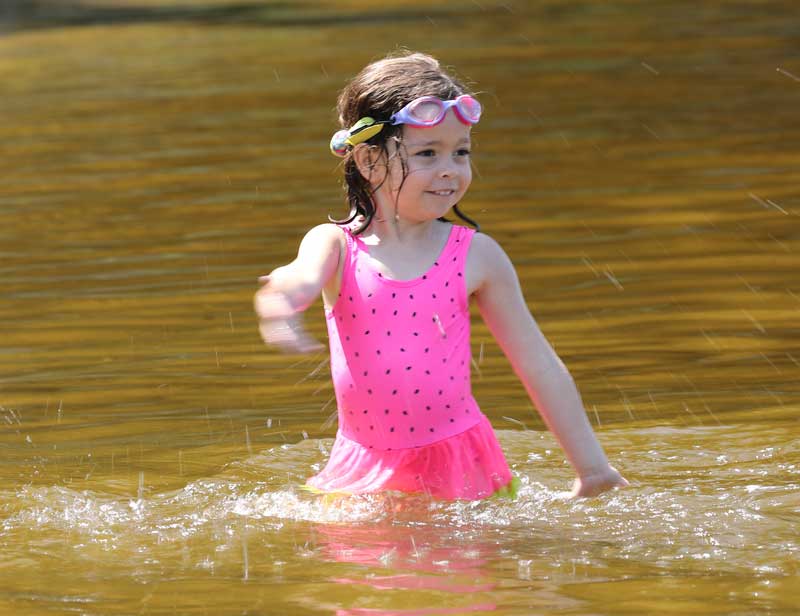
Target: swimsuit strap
<point>350,257</point>
<point>460,242</point>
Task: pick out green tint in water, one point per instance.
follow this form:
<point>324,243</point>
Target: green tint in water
<point>639,164</point>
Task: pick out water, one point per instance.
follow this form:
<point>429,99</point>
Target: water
<point>712,521</point>
<point>638,164</point>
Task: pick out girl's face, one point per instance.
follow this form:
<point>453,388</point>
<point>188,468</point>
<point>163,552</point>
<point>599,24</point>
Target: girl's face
<point>437,169</point>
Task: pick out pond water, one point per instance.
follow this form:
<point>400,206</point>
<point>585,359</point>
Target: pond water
<point>640,164</point>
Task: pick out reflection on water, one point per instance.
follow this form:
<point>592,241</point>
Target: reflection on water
<point>639,167</point>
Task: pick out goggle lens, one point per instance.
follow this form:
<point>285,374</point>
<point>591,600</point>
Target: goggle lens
<point>469,108</point>
<point>426,111</point>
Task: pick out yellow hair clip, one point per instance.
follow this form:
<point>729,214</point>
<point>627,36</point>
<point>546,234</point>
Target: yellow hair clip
<point>363,130</point>
<point>360,132</point>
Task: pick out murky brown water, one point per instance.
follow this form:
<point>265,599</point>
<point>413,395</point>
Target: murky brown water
<point>639,162</point>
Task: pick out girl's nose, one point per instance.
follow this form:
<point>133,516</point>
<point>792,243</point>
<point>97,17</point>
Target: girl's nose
<point>449,168</point>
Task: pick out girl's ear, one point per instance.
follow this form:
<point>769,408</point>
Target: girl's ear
<point>370,162</point>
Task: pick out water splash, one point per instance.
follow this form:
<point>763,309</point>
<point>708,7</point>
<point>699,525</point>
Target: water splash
<point>698,502</point>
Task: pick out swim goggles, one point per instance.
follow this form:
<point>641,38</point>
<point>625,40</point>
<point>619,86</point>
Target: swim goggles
<point>422,112</point>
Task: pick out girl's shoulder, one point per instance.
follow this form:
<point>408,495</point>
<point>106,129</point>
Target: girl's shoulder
<point>331,230</point>
<point>486,259</point>
<point>485,248</point>
<point>324,241</point>
<point>326,233</point>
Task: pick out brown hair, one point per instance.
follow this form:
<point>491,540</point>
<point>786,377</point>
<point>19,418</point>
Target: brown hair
<point>378,91</point>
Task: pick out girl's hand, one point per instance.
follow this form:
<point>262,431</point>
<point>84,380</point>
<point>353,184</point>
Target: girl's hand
<point>288,334</point>
<point>280,324</point>
<point>596,483</point>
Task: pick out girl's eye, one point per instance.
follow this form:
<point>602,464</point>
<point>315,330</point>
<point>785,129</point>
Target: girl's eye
<point>426,153</point>
<point>464,152</point>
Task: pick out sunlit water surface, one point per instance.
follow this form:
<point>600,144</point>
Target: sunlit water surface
<point>638,162</point>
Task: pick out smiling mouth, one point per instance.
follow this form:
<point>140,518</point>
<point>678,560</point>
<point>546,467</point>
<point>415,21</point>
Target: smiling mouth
<point>442,193</point>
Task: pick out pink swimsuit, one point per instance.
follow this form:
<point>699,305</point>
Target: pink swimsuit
<point>400,362</point>
<point>400,351</point>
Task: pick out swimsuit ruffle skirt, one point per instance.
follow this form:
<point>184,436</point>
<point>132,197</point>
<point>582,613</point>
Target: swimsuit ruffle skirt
<point>400,363</point>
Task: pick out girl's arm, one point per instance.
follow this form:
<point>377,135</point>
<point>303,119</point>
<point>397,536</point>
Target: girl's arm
<point>290,289</point>
<point>546,379</point>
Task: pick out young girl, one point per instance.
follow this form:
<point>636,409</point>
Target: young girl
<point>396,278</point>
